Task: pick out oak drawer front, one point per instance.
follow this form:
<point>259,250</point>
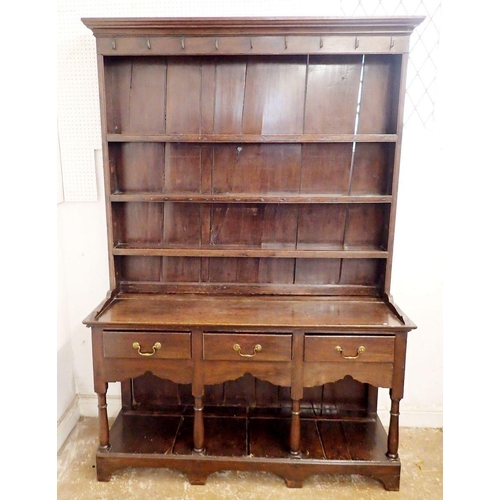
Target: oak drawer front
<point>356,348</point>
<point>147,345</point>
<point>243,346</point>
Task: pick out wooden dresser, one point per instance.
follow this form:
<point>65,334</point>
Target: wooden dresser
<point>251,170</point>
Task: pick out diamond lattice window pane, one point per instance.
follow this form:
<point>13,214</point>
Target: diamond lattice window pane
<point>424,50</point>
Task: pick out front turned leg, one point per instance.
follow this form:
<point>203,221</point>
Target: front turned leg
<point>393,435</point>
<point>295,429</point>
<point>199,429</point>
<point>103,420</point>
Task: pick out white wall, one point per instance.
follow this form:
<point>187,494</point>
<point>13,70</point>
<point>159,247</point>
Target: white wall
<point>417,280</point>
<point>417,277</point>
<point>67,410</point>
<point>83,283</point>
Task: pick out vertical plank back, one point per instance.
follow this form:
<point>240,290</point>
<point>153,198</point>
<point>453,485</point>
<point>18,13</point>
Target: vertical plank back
<point>274,95</point>
<point>378,106</point>
<point>183,96</point>
<point>230,79</point>
<point>332,94</point>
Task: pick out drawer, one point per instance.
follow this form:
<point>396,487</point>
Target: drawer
<point>247,346</point>
<point>147,345</point>
<point>352,348</point>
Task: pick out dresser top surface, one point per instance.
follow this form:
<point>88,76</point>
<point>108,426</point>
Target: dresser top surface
<point>220,311</point>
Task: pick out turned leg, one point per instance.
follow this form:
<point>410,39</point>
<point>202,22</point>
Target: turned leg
<point>295,429</point>
<point>103,420</point>
<point>393,435</point>
<point>396,394</point>
<point>199,430</point>
<point>296,393</point>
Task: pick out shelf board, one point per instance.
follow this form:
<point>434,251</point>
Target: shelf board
<point>329,446</point>
<point>255,138</point>
<point>152,250</point>
<point>246,436</point>
<point>249,198</point>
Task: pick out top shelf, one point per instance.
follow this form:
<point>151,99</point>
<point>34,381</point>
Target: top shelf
<point>253,138</point>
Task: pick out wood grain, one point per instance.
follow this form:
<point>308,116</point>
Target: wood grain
<point>251,170</point>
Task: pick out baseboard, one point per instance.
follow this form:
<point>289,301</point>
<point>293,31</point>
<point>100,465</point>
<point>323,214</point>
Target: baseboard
<point>88,405</point>
<point>68,420</point>
<point>414,418</point>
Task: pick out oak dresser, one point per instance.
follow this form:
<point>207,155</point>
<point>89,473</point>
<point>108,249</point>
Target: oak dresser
<point>251,171</point>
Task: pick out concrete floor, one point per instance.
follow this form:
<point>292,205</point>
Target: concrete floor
<point>421,453</point>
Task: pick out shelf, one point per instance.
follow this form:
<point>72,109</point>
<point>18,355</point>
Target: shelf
<point>248,436</point>
<point>249,444</point>
<point>156,250</point>
<point>248,198</point>
<point>253,138</point>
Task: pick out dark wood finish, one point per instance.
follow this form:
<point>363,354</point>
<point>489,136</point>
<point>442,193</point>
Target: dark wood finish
<point>221,346</point>
<point>294,439</point>
<point>324,348</point>
<point>378,374</point>
<point>251,170</point>
<point>275,312</point>
<point>354,446</point>
<point>173,345</point>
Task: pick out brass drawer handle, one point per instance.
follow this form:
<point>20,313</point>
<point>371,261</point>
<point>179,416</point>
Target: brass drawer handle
<point>361,349</point>
<point>256,349</point>
<point>137,346</point>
